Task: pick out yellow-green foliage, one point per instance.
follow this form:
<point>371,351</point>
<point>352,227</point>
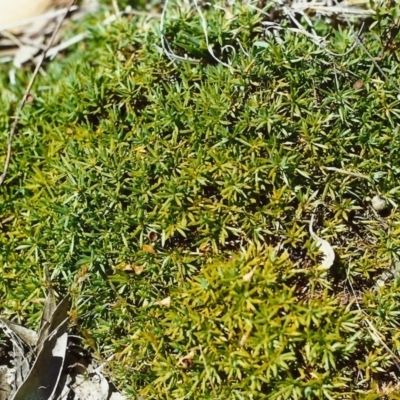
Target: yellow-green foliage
<point>226,335</point>
<point>173,199</point>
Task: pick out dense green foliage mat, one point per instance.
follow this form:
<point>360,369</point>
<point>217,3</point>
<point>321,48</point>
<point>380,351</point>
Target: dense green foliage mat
<point>173,200</point>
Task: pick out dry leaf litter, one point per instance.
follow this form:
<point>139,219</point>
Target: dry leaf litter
<point>48,364</point>
<point>26,26</point>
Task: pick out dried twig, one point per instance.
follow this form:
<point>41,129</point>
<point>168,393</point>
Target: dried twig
<point>67,43</point>
<point>27,92</point>
<point>43,17</point>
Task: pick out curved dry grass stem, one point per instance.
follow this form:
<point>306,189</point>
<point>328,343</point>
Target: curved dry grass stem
<point>164,42</point>
<point>168,51</point>
<point>27,92</point>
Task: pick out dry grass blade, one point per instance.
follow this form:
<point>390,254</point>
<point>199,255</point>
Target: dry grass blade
<point>344,172</point>
<point>51,348</point>
<point>28,336</point>
<point>52,318</point>
<point>43,378</point>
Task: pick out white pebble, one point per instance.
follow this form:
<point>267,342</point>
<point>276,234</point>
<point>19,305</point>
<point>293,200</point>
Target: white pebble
<point>378,203</point>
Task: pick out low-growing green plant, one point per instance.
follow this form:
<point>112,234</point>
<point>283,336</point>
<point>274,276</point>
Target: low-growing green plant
<point>173,199</point>
<point>234,335</point>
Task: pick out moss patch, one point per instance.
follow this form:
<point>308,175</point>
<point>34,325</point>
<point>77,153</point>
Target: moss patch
<point>173,200</point>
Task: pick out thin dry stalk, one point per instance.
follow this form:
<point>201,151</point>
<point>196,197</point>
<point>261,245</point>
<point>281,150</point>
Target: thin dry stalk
<point>28,90</point>
<point>344,172</point>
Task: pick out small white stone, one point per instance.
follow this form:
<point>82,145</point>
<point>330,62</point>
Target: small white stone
<point>380,283</point>
<point>378,203</point>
